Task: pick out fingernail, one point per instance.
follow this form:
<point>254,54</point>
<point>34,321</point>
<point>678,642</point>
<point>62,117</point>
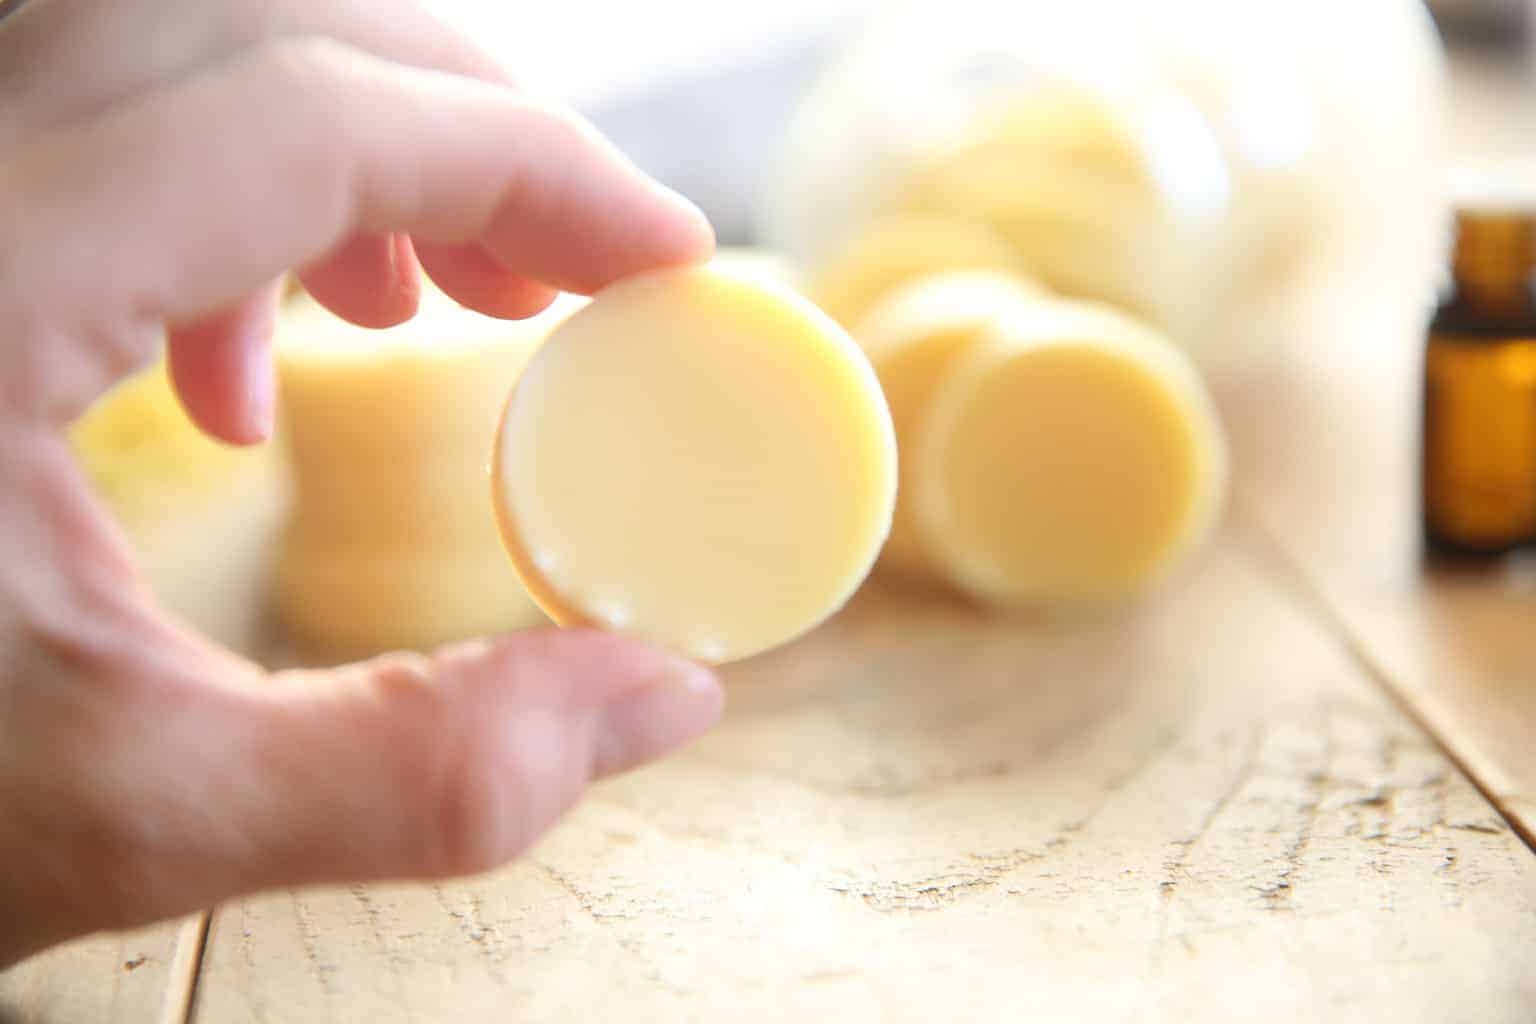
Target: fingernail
<point>402,269</point>
<point>260,398</point>
<point>657,716</point>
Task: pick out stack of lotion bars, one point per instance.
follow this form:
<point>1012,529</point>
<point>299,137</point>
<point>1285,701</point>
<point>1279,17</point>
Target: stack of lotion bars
<point>366,524</point>
<point>1039,287</point>
<point>1052,453</point>
<point>1056,450</point>
<point>1019,292</point>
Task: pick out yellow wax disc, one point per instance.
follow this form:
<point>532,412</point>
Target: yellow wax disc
<point>1076,181</point>
<point>1071,457</point>
<point>895,252</point>
<point>392,545</point>
<point>698,457</point>
<point>913,337</point>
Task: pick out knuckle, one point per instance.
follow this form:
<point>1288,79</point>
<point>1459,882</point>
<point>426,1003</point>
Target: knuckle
<point>558,120</point>
<point>564,130</point>
<point>65,353</point>
<point>312,86</point>
<point>88,631</point>
<point>306,63</point>
<point>502,767</point>
<point>485,807</point>
<point>446,735</point>
<point>467,835</point>
<point>402,673</point>
<point>488,749</point>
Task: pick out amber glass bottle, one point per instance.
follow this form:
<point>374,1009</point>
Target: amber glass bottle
<point>1479,441</point>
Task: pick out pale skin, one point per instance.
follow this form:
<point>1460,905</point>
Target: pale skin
<point>162,163</point>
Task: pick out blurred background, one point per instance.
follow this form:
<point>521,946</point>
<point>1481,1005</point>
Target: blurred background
<point>699,93</point>
<point>1271,188</point>
<point>702,93</point>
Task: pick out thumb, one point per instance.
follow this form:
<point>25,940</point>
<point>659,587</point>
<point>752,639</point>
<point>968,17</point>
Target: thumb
<point>417,767</point>
<point>145,773</point>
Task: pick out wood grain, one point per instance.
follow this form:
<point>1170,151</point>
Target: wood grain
<point>1326,451</point>
<point>1330,469</point>
<point>1205,810</point>
<point>921,813</point>
<point>145,975</point>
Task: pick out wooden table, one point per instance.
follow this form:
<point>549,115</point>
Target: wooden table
<point>1299,785</point>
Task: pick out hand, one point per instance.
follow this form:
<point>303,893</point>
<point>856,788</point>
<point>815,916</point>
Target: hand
<point>161,164</point>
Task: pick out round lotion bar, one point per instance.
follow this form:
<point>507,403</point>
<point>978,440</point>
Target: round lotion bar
<point>392,545</point>
<point>1077,181</point>
<point>895,252</point>
<point>912,337</point>
<point>699,457</point>
<point>1071,456</point>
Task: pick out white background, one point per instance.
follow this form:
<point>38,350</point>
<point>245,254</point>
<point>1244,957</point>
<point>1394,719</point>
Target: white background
<point>585,51</point>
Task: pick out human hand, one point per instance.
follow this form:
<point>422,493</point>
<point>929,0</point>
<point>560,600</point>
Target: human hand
<point>161,164</point>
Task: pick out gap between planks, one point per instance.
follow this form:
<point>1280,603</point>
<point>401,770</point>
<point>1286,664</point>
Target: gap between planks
<point>1293,577</point>
<point>181,985</point>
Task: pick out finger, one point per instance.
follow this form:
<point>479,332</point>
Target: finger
<point>473,277</point>
<point>189,777</point>
<point>72,58</point>
<point>271,161</point>
<point>372,280</point>
<point>423,768</point>
<point>197,780</point>
<point>221,367</point>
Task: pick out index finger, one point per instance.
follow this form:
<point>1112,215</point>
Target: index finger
<point>186,200</point>
<point>73,58</point>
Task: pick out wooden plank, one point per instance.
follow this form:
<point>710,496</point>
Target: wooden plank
<point>1329,465</point>
<point>141,976</point>
<point>1326,455</point>
<point>921,813</point>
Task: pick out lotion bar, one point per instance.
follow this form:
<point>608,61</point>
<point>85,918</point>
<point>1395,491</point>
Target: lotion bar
<point>1071,457</point>
<point>699,457</point>
<point>913,337</point>
<point>897,251</point>
<point>392,545</point>
<point>1101,196</point>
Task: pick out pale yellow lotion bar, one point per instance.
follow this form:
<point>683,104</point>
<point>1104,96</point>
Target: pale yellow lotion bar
<point>699,457</point>
<point>1072,456</point>
<point>912,337</point>
<point>1071,178</point>
<point>392,545</point>
<point>895,252</point>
